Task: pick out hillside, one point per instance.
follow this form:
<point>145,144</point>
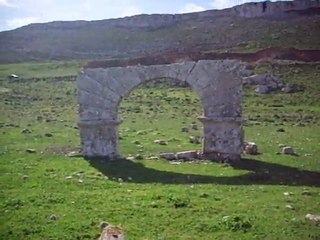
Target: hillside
<point>245,28</point>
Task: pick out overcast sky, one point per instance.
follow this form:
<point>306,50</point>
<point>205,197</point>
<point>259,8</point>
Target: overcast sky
<point>17,13</point>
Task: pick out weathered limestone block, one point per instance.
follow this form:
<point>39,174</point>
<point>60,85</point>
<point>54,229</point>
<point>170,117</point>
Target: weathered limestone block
<point>89,85</point>
<point>223,138</point>
<point>200,76</point>
<point>187,155</point>
<point>100,138</point>
<point>168,156</point>
<point>174,71</point>
<point>219,86</point>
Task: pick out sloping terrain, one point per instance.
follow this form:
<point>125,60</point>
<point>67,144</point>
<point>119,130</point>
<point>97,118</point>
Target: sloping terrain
<point>232,30</point>
<point>266,54</point>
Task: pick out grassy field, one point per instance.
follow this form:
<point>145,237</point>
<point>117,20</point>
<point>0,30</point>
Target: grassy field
<point>46,195</point>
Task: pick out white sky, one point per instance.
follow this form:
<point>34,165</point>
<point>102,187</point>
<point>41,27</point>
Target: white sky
<point>17,13</point>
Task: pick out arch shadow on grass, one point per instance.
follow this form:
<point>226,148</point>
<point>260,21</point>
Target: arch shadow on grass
<point>260,173</point>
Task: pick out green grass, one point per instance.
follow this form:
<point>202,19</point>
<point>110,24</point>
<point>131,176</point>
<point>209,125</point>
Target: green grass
<point>40,70</point>
<point>45,195</point>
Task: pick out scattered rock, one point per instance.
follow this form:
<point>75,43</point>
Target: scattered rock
<point>187,155</point>
<point>287,193</point>
<point>26,130</point>
<point>251,148</point>
<point>291,89</point>
<point>25,177</point>
<point>138,157</point>
<point>136,142</point>
<point>194,127</point>
<point>204,195</point>
<point>48,135</point>
<point>153,158</point>
<point>53,217</point>
<point>160,142</point>
<point>195,139</point>
<point>288,150</point>
<point>69,177</point>
<point>74,154</point>
<point>31,150</point>
<point>184,129</point>
<point>306,193</point>
<point>263,89</point>
<point>168,156</point>
<point>110,232</point>
<point>287,89</point>
<point>265,83</point>
<point>289,207</point>
<point>175,162</point>
<point>313,218</point>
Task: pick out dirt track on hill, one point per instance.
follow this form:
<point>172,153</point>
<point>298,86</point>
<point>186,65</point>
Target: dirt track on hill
<point>267,54</point>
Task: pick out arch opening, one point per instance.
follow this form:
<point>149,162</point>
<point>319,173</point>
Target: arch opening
<point>160,116</point>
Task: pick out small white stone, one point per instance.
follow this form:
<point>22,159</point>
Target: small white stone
<point>289,207</point>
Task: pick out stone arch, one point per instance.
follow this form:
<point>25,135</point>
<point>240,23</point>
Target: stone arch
<point>217,83</point>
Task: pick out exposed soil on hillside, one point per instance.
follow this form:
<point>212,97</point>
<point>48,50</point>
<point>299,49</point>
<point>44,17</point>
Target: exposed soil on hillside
<point>267,54</point>
<point>292,54</point>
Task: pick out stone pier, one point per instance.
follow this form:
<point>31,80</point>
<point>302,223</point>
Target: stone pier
<point>217,82</point>
<point>223,139</point>
<point>100,138</point>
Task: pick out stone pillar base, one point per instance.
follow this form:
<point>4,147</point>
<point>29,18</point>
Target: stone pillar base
<point>223,138</point>
<point>99,139</point>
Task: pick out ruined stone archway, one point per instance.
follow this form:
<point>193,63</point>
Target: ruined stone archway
<point>217,83</point>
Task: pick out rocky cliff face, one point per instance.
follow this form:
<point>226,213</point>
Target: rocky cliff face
<point>274,9</point>
<point>268,9</point>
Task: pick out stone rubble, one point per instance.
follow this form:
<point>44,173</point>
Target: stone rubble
<point>187,155</point>
<point>251,148</point>
<point>168,156</point>
<point>313,218</point>
<point>265,83</point>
